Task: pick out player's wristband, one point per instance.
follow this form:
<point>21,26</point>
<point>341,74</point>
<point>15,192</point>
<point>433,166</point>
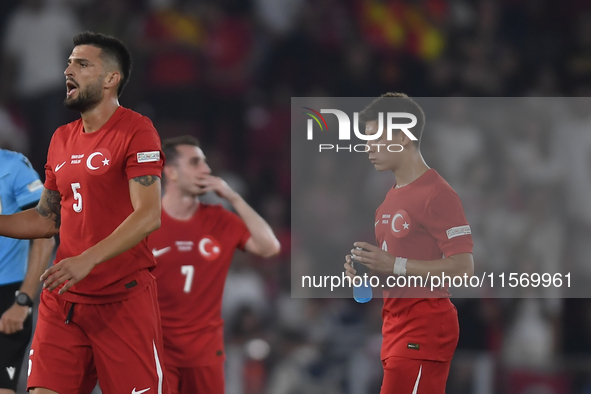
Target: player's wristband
<point>400,266</point>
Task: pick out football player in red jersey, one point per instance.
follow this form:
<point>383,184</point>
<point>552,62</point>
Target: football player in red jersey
<point>420,220</point>
<point>194,249</point>
<point>98,315</point>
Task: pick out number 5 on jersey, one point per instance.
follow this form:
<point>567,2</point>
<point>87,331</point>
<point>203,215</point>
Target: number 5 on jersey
<point>77,197</point>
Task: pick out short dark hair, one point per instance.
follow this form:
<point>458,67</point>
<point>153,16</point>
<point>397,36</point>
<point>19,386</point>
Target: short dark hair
<point>111,47</point>
<point>403,104</point>
<point>169,146</point>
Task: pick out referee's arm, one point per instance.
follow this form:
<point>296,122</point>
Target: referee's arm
<point>12,319</point>
<point>39,255</point>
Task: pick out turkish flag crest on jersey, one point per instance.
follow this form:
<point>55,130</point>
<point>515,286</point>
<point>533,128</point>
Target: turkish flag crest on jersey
<point>400,224</point>
<point>98,161</point>
<point>209,247</point>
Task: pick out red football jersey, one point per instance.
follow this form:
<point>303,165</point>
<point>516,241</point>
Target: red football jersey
<point>91,171</point>
<point>193,261</point>
<point>421,221</point>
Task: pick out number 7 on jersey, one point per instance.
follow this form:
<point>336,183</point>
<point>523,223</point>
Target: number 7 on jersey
<point>188,270</point>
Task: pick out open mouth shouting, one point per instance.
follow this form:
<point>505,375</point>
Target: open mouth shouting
<point>71,87</point>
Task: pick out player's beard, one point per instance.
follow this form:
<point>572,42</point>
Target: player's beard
<point>87,99</point>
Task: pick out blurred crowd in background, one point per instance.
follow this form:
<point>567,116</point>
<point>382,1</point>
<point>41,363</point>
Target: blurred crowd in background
<point>224,71</point>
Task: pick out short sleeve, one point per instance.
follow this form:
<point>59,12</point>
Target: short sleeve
<point>238,228</point>
<point>50,181</point>
<point>26,185</point>
<point>447,223</point>
<point>144,155</point>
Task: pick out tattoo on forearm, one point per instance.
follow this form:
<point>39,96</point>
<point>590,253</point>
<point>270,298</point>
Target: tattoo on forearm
<point>146,180</point>
<point>50,206</point>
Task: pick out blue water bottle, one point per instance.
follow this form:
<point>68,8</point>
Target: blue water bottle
<point>362,293</point>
